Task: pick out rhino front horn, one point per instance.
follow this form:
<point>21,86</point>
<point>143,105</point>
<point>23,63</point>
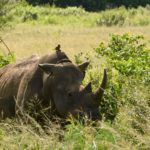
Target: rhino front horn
<point>100,92</point>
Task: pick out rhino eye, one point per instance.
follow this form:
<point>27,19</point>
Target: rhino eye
<point>70,94</point>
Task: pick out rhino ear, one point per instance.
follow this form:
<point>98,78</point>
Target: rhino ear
<point>58,47</point>
<point>84,66</point>
<point>47,68</point>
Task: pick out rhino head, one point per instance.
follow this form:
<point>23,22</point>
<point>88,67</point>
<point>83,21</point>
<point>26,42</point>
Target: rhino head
<point>62,85</point>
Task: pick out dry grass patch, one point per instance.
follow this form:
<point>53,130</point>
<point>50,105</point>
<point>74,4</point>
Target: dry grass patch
<point>27,39</point>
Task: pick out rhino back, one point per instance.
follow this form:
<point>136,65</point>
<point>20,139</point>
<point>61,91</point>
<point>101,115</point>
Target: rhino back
<point>25,73</point>
<point>53,57</point>
<point>12,74</point>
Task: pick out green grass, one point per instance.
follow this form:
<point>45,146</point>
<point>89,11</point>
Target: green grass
<point>74,137</point>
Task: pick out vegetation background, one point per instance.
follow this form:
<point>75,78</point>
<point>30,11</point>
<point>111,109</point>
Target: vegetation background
<point>114,35</point>
<point>92,5</point>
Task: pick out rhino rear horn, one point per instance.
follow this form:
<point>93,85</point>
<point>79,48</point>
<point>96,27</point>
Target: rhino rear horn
<point>88,88</point>
<point>100,92</point>
<point>48,68</point>
<point>84,65</point>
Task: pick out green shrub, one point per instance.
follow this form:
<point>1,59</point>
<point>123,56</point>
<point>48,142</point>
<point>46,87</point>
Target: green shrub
<point>123,16</point>
<point>29,15</point>
<point>144,21</point>
<point>114,17</point>
<point>6,59</point>
<point>128,62</point>
<point>127,55</point>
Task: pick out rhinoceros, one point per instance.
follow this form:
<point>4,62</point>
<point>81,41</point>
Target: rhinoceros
<point>55,80</point>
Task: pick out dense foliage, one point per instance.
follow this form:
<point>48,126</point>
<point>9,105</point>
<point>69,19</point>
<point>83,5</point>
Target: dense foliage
<point>129,62</point>
<point>92,5</point>
<point>127,54</point>
<point>122,16</point>
<point>127,65</point>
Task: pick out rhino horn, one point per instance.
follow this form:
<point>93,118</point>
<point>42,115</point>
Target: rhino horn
<point>88,88</point>
<point>84,65</point>
<point>48,68</point>
<point>100,92</point>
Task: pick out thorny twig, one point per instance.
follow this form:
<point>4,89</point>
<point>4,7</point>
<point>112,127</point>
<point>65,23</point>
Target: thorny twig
<point>6,46</point>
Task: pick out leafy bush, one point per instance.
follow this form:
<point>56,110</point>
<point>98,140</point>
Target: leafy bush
<point>127,54</point>
<point>128,62</point>
<point>29,15</point>
<point>47,10</point>
<point>123,16</point>
<point>6,59</point>
<point>113,17</point>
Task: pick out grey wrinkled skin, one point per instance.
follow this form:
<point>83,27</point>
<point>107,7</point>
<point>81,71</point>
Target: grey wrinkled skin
<point>55,80</point>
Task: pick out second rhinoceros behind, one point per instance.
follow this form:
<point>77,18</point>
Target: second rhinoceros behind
<point>55,80</point>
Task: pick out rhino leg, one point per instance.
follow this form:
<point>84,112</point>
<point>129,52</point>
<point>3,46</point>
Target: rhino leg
<point>24,94</point>
<point>7,107</point>
<point>28,88</point>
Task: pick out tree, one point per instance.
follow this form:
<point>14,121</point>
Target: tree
<point>94,5</point>
<point>129,3</point>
